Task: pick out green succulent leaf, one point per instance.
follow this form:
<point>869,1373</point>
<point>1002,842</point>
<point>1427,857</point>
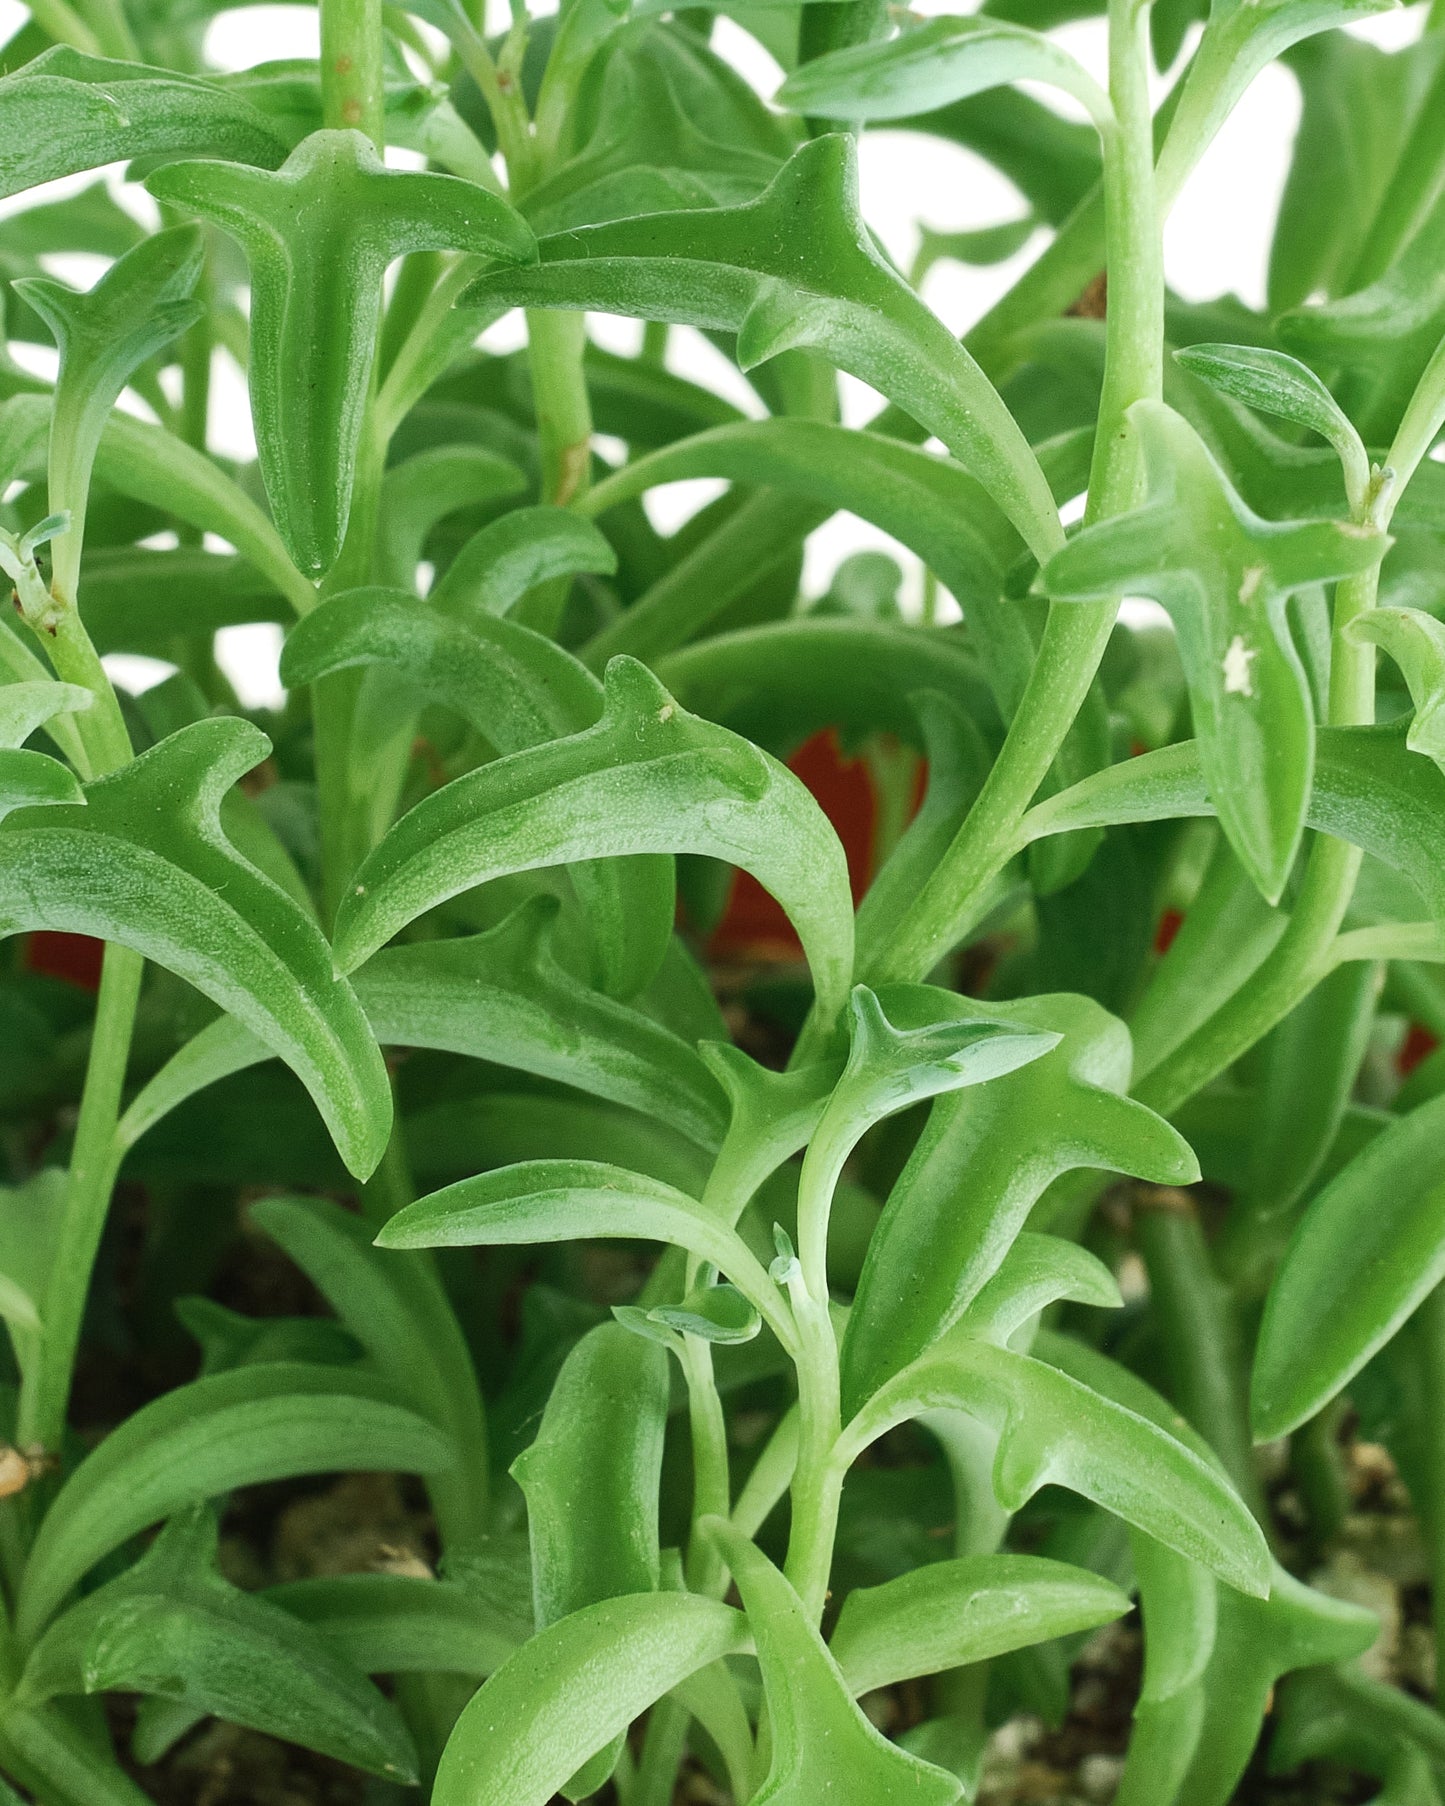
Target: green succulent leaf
<point>649,778</point>
<point>397,1311</point>
<point>575,1687</point>
<point>139,306</point>
<point>568,1200</point>
<point>932,65</point>
<point>591,1480</point>
<point>1416,642</point>
<point>65,111</point>
<point>173,1628</point>
<point>1385,334</point>
<point>402,1624</point>
<point>1052,1430</point>
<point>498,566</point>
<point>1225,576</point>
<point>145,862</point>
<point>30,1219</point>
<point>1275,383</point>
<point>716,1313</point>
<point>929,503</point>
<point>269,1422</point>
<point>1366,1252</point>
<point>1369,789</point>
<point>591,1477</point>
<point>1038,1270</point>
<point>744,270</point>
<point>519,690</point>
<point>822,1743</point>
<point>318,235</point>
<point>949,1613</point>
<point>984,1158</point>
<point>422,490</point>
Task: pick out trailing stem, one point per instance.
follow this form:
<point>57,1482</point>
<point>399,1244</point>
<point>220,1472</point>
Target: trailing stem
<point>1075,634</point>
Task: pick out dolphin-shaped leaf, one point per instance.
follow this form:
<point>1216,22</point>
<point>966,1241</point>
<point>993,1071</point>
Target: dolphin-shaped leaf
<point>749,270</point>
<point>146,863</point>
<point>648,778</point>
<point>318,235</point>
<point>1225,576</point>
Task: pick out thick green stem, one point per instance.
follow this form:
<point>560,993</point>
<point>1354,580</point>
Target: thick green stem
<point>46,1388</point>
<point>711,1470</point>
<point>1303,954</point>
<point>351,67</point>
<point>556,342</point>
<point>1195,1315</point>
<point>818,1479</point>
<point>1075,635</point>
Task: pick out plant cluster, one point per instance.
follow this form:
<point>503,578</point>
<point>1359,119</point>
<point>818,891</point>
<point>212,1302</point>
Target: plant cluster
<point>857,1409</point>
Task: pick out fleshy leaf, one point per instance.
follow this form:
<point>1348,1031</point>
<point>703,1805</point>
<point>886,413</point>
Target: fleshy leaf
<point>591,1477</point>
<point>1225,576</point>
<point>715,1313</point>
<point>269,1422</point>
<point>649,778</point>
<point>1416,642</point>
<point>403,1624</point>
<point>591,1480</point>
<point>912,1043</point>
<point>425,488</point>
<point>574,1200</point>
<point>146,863</point>
<point>318,235</point>
<point>30,1220</point>
<point>929,503</point>
<point>1212,1655</point>
<point>398,1312</point>
<point>518,689</point>
<point>948,1613</point>
<point>1275,383</point>
<point>823,1746</point>
<point>1054,1431</point>
<point>646,154</point>
<point>173,1628</point>
<point>983,1159</point>
<point>499,564</point>
<point>574,1687</point>
<point>140,304</point>
<point>1384,334</point>
<point>1369,789</point>
<point>1367,1251</point>
<point>1039,1270</point>
<point>933,65</point>
<point>747,270</point>
<point>66,111</point>
<point>501,996</point>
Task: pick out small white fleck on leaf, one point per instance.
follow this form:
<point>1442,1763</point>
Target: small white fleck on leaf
<point>1237,659</point>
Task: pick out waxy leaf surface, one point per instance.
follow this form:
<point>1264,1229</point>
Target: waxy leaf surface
<point>983,1159</point>
<point>1225,576</point>
<point>947,1613</point>
<point>648,778</point>
<point>146,863</point>
<point>747,270</point>
<point>573,1688</point>
<point>518,689</point>
<point>318,235</point>
<point>823,1746</point>
<point>269,1422</point>
<point>65,111</point>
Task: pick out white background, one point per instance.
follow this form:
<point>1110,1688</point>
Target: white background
<point>1215,242</point>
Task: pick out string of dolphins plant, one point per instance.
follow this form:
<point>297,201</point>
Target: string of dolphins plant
<point>857,1411</point>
